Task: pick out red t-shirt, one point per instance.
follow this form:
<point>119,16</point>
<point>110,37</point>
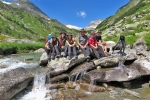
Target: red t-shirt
<point>92,40</point>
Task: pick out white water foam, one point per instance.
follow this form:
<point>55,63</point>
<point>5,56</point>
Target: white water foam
<point>11,64</point>
<point>39,89</point>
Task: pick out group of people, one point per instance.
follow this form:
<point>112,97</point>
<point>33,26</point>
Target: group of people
<point>67,45</point>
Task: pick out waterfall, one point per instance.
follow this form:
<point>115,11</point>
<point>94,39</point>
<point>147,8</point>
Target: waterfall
<point>39,89</point>
<point>91,85</point>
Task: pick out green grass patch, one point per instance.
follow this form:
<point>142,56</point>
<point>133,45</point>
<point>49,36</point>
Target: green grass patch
<point>147,40</point>
<point>147,17</point>
<point>13,48</point>
<point>131,39</point>
<point>3,37</point>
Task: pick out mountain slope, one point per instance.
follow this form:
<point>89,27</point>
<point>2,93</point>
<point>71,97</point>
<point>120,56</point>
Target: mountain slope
<point>29,6</point>
<point>22,24</point>
<point>131,20</point>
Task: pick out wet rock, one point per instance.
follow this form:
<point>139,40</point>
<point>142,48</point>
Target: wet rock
<point>13,82</point>
<point>70,85</point>
<point>3,66</point>
<point>106,62</point>
<point>40,50</point>
<point>69,94</point>
<point>43,59</point>
<point>139,68</point>
<point>132,93</point>
<point>57,86</point>
<point>82,68</point>
<point>1,52</point>
<point>64,65</point>
<point>140,46</point>
<point>91,88</point>
<point>59,78</point>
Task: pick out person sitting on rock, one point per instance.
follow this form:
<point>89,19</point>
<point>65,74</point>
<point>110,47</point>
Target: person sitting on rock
<point>97,49</point>
<point>62,43</point>
<point>101,42</point>
<point>83,43</point>
<point>71,46</point>
<point>52,47</point>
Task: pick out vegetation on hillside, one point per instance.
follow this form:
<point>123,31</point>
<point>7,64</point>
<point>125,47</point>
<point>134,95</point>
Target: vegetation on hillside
<point>131,20</point>
<point>13,48</point>
<point>23,24</point>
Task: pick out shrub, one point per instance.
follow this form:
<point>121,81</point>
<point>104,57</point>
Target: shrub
<point>12,48</point>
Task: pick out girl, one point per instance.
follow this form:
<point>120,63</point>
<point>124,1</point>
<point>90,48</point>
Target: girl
<point>71,46</point>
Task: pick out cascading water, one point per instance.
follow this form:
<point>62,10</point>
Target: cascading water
<point>10,64</point>
<point>39,89</point>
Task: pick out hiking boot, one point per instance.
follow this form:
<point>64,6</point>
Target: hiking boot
<point>69,58</point>
<point>87,57</point>
<point>76,57</point>
<point>52,57</point>
<point>49,59</point>
<point>64,55</point>
<point>57,56</point>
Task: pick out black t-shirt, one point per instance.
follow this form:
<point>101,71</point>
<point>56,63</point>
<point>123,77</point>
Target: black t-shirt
<point>99,38</point>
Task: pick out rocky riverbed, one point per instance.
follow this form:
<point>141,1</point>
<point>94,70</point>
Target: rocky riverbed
<point>61,79</point>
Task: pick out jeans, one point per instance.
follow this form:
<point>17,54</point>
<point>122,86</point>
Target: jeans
<point>98,52</point>
<point>72,49</point>
<point>55,50</point>
<point>86,51</point>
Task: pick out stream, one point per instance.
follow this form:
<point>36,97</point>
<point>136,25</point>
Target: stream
<point>38,89</point>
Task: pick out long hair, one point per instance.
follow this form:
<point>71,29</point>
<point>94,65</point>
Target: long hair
<point>69,39</point>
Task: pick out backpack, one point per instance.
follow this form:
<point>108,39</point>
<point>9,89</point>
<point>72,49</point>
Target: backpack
<point>49,38</point>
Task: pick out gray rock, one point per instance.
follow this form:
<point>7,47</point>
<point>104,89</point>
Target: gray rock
<point>40,50</point>
<point>63,65</point>
<point>107,61</point>
<point>132,26</point>
<point>43,59</point>
<point>13,82</point>
<point>140,47</point>
<point>141,33</point>
<point>59,78</point>
<point>87,66</point>
<point>122,73</point>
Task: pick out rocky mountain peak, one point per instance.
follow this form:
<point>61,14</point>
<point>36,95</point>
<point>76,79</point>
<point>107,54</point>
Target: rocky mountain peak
<point>26,5</point>
<point>93,24</point>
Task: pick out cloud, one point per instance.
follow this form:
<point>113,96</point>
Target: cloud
<point>81,14</point>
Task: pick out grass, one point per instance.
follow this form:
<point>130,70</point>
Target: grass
<point>13,48</point>
<point>3,37</point>
<point>147,40</point>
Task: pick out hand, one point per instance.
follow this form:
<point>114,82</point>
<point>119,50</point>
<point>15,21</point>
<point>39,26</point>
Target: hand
<point>82,47</point>
<point>96,47</point>
<point>48,48</point>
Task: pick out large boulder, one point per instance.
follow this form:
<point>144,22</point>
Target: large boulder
<point>40,50</point>
<point>14,81</point>
<point>121,73</point>
<point>140,46</point>
<point>87,66</point>
<point>106,62</point>
<point>64,65</point>
<point>43,59</point>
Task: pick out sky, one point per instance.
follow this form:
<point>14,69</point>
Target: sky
<point>79,12</point>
